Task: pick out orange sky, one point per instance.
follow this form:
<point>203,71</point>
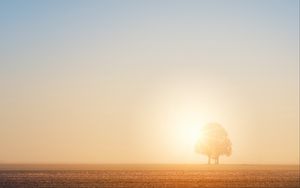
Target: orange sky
<point>108,82</point>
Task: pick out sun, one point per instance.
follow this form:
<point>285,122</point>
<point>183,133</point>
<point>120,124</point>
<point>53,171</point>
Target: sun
<point>191,133</point>
<point>188,132</point>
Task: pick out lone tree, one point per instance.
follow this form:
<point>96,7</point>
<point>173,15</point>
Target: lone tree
<point>213,142</point>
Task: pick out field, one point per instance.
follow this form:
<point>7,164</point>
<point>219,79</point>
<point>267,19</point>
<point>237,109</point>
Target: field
<point>139,176</point>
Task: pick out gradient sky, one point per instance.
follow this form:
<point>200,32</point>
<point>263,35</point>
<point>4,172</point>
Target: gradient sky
<point>133,81</point>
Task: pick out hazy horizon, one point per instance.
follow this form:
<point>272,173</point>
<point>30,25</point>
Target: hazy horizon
<point>201,163</point>
<point>133,82</point>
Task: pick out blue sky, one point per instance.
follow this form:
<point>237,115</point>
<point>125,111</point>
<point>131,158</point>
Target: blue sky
<point>118,74</point>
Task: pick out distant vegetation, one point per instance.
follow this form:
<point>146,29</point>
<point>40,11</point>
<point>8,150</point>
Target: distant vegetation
<point>213,142</point>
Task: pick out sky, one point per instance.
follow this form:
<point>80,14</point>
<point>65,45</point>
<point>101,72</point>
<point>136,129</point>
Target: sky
<point>133,81</point>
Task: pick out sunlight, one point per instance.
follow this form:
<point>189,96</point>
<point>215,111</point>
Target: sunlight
<point>190,134</point>
<point>188,130</point>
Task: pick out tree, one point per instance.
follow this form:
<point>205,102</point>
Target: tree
<point>213,142</point>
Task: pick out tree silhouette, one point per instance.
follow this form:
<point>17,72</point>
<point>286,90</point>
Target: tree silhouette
<point>213,142</point>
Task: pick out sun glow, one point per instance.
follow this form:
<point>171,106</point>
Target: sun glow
<point>188,131</point>
<point>190,134</point>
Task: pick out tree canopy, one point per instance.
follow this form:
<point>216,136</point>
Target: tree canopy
<point>213,142</point>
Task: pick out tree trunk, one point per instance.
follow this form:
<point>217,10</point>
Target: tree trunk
<point>217,160</point>
<point>209,159</point>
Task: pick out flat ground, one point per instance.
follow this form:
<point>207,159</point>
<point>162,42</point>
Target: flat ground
<point>161,176</point>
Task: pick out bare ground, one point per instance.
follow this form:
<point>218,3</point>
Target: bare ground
<point>139,176</point>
